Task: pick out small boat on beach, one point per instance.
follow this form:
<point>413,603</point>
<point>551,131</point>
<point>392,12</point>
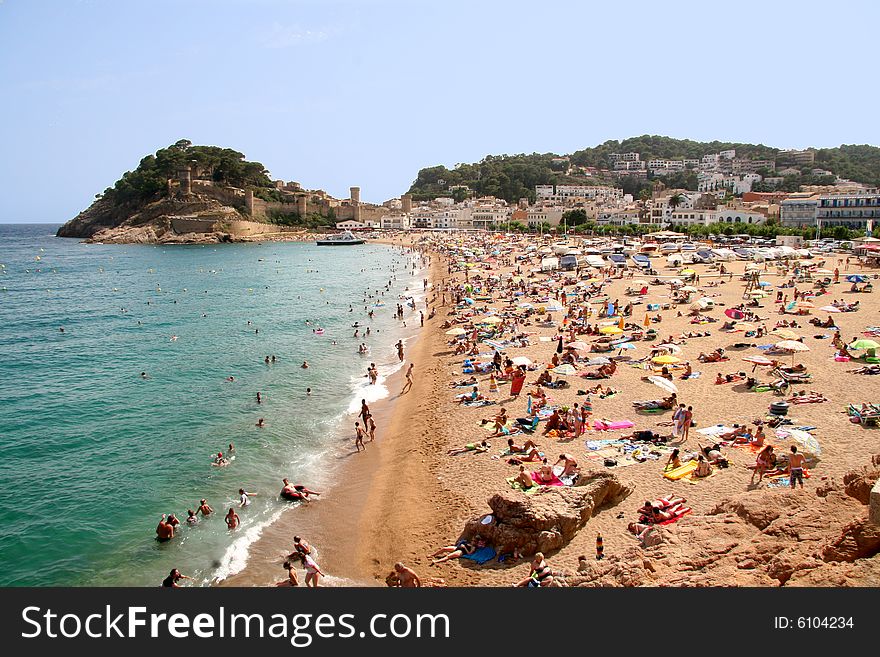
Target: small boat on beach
<point>342,239</point>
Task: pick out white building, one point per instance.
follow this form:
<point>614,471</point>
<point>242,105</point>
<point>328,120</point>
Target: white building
<point>396,222</point>
<point>540,215</point>
<point>351,224</point>
<point>706,217</point>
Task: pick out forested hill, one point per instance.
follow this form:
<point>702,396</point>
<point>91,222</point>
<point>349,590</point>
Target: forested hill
<point>512,177</point>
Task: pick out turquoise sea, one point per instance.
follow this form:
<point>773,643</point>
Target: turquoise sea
<point>93,453</point>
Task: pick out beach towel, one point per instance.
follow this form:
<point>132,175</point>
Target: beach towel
<point>555,481</point>
<point>602,425</point>
<point>716,430</point>
<point>692,479</point>
<point>481,555</point>
<point>680,472</point>
<point>482,402</point>
<point>692,375</point>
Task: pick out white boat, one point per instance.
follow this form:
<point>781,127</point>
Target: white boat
<point>724,255</point>
<point>594,261</point>
<point>561,248</point>
<point>688,246</point>
<point>342,239</point>
<point>649,249</point>
<point>669,247</point>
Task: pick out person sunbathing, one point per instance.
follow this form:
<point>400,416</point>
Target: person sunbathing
<point>554,422</point>
<point>545,474</point>
<point>540,573</point>
<point>667,502</point>
<point>659,514</point>
<point>470,447</point>
<point>457,551</point>
<point>674,461</point>
<point>524,478</point>
<point>713,357</point>
<point>472,396</point>
<point>528,447</point>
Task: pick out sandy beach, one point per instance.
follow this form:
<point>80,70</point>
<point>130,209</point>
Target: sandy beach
<point>405,497</point>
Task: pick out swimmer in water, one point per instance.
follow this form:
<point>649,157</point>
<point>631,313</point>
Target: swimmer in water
<point>308,392</point>
<point>232,519</point>
<point>260,423</point>
<point>305,365</point>
<point>220,461</point>
<point>230,379</point>
<point>204,508</point>
<point>143,375</point>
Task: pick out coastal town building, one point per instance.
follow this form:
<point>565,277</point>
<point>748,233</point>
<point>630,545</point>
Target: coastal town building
<point>799,210</point>
<point>849,209</point>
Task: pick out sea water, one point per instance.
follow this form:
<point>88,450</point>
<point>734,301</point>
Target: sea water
<point>92,453</point>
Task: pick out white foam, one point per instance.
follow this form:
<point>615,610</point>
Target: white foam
<point>237,554</point>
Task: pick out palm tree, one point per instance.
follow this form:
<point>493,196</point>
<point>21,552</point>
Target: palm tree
<point>675,200</point>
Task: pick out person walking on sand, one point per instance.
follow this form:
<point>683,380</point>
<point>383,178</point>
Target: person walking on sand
<point>359,437</point>
<point>371,425</point>
<point>365,411</point>
<point>399,346</point>
<point>409,380</point>
<point>796,467</point>
<point>687,420</point>
<point>313,571</point>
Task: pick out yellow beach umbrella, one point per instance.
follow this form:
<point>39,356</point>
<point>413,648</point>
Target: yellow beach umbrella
<point>785,334</point>
<point>611,330</point>
<point>492,319</point>
<point>665,359</point>
<point>687,272</point>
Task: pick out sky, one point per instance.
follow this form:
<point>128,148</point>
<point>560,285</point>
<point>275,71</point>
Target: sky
<point>335,93</point>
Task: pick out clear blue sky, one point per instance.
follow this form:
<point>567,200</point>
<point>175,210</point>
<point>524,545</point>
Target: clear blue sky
<point>335,93</point>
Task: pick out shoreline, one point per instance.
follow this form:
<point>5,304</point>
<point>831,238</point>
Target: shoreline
<point>354,501</point>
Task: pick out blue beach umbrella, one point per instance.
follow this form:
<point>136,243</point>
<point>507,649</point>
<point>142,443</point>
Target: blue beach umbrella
<point>855,278</point>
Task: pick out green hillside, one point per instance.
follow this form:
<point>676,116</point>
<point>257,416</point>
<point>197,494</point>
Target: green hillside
<point>512,177</point>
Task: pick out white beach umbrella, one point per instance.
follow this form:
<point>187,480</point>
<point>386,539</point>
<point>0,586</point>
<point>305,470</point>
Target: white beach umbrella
<point>665,384</point>
<point>456,331</point>
<point>521,360</point>
<point>564,369</point>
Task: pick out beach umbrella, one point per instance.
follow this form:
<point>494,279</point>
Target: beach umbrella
<point>564,369</point>
<point>456,331</point>
<point>492,319</point>
<point>666,384</point>
<point>758,360</point>
<point>611,330</point>
<point>665,360</point>
<point>734,313</point>
<point>521,360</point>
<point>809,444</point>
<point>579,345</point>
<point>785,334</point>
<point>863,343</point>
<point>824,271</point>
<point>671,348</point>
<point>689,288</point>
<point>855,278</point>
<point>745,326</point>
<point>792,346</point>
<point>625,345</point>
<point>687,272</point>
